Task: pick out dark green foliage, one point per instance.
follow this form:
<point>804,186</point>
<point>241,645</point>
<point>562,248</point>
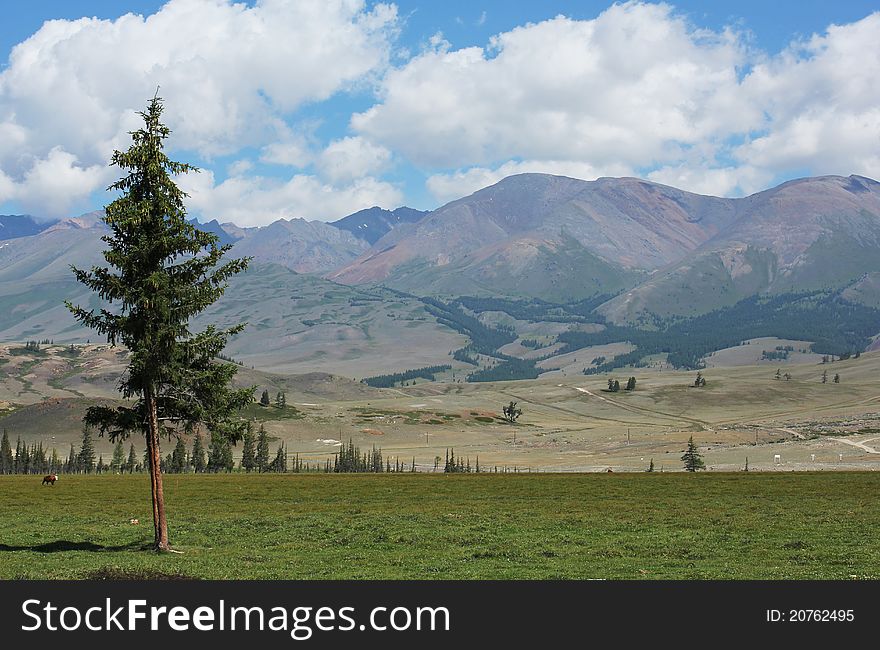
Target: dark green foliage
<point>261,458</point>
<point>630,384</point>
<point>248,451</point>
<point>511,412</point>
<point>264,398</point>
<point>7,463</point>
<point>484,339</point>
<point>86,458</point>
<point>535,310</point>
<point>161,272</point>
<point>836,379</point>
<point>780,352</point>
<point>836,325</point>
<point>220,455</point>
<point>131,463</point>
<point>456,465</point>
<point>650,466</point>
<point>388,381</point>
<point>510,369</point>
<point>118,459</point>
<point>279,464</point>
<point>197,458</point>
<point>71,465</point>
<point>27,460</point>
<point>613,385</point>
<point>349,459</point>
<point>55,464</point>
<point>692,458</point>
<point>700,381</point>
<point>179,463</point>
<point>462,354</point>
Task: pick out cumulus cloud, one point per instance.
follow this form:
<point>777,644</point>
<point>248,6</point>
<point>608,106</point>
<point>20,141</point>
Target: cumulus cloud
<point>54,183</point>
<point>716,181</point>
<point>822,102</point>
<point>449,186</point>
<point>230,74</point>
<point>257,200</point>
<point>632,86</point>
<point>638,88</point>
<point>351,158</point>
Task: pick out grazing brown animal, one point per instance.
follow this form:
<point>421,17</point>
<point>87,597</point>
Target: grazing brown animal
<point>50,479</point>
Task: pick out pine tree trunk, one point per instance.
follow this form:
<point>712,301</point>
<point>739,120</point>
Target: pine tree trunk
<point>160,525</point>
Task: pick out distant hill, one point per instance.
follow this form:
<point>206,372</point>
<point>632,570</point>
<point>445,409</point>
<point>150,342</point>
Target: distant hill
<point>300,245</point>
<point>805,235</point>
<point>538,235</point>
<point>297,323</point>
<point>215,227</point>
<point>374,223</point>
<point>546,259</point>
<point>21,225</point>
<point>669,252</point>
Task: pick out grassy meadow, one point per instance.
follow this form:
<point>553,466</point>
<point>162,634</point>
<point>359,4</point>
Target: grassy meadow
<point>752,525</point>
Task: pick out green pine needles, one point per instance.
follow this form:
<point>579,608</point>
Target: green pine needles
<point>692,458</point>
<point>161,272</point>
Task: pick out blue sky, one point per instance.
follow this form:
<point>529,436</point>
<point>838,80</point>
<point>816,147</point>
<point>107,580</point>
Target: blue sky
<point>316,109</point>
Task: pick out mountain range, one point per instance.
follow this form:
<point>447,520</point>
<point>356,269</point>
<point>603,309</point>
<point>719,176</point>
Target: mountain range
<point>638,252</point>
<point>666,252</point>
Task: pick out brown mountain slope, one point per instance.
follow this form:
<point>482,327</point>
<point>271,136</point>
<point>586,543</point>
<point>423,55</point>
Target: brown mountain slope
<point>626,224</point>
<point>807,234</point>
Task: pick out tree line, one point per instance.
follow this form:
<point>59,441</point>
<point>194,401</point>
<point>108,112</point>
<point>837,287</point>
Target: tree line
<point>835,325</point>
<point>391,380</point>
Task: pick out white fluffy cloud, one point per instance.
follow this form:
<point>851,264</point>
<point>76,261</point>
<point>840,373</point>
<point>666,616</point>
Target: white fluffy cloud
<point>230,74</point>
<point>716,181</point>
<point>257,200</point>
<point>632,86</point>
<point>54,183</point>
<point>637,88</point>
<point>447,187</point>
<point>822,100</point>
<point>350,158</point>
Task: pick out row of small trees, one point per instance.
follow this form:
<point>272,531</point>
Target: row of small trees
<point>217,457</point>
<point>350,459</point>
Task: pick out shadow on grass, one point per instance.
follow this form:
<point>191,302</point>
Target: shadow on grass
<point>62,545</point>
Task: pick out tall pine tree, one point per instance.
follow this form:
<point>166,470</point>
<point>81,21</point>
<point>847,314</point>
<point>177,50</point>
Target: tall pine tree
<point>261,460</point>
<point>178,457</point>
<point>131,463</point>
<point>162,271</point>
<point>118,460</point>
<point>248,460</point>
<point>7,463</point>
<point>199,464</point>
<point>86,459</point>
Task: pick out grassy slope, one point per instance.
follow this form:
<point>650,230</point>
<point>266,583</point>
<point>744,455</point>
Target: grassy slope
<point>637,526</point>
<point>563,271</point>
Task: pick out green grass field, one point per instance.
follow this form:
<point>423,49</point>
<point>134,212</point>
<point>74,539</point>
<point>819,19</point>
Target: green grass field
<point>634,526</point>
